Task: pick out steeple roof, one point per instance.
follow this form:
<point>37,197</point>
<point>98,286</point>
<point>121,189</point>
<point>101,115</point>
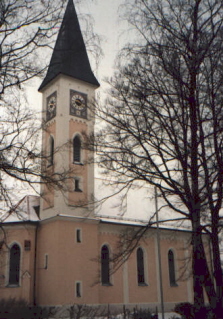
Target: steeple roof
<point>69,55</point>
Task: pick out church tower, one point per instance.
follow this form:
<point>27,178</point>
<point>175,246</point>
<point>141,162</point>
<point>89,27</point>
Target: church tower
<point>68,91</point>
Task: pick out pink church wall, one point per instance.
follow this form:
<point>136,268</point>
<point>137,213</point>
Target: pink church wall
<point>132,293</point>
<point>68,262</point>
<point>114,293</point>
<point>180,292</point>
<point>144,294</point>
<point>18,234</point>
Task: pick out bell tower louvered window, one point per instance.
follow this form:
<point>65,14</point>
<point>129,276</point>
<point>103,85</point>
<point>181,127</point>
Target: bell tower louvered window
<point>77,149</point>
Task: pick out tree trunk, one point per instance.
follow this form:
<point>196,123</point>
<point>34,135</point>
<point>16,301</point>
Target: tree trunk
<point>196,268</point>
<point>217,273</point>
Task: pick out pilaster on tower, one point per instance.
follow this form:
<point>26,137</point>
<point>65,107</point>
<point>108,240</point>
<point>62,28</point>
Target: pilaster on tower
<point>68,90</point>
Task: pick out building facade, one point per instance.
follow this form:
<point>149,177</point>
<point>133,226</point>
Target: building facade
<point>64,260</point>
<point>59,253</point>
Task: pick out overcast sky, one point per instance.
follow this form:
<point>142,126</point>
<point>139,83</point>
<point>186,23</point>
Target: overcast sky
<point>108,25</point>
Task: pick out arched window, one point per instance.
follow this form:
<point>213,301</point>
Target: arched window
<point>171,264</point>
<point>140,266</point>
<point>14,265</point>
<point>51,150</point>
<point>77,149</point>
<point>105,271</point>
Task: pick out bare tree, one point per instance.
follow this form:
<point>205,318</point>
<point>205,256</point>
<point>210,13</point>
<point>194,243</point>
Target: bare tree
<point>164,120</point>
<point>27,34</point>
<point>26,28</point>
<point>23,165</point>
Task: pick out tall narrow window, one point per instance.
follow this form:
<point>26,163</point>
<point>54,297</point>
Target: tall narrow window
<point>51,150</point>
<point>46,261</point>
<point>140,266</point>
<point>77,184</point>
<point>78,235</point>
<point>171,264</point>
<point>14,265</point>
<point>78,289</point>
<point>77,149</point>
<point>105,271</point>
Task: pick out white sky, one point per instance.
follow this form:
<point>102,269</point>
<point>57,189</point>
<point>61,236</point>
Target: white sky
<point>112,29</point>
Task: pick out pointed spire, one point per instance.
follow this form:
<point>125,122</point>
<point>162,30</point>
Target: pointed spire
<point>69,55</point>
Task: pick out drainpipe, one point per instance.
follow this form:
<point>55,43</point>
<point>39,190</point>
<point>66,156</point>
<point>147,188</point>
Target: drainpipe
<point>35,265</point>
<point>159,255</point>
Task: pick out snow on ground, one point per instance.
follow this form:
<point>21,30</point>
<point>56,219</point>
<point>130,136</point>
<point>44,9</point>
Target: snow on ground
<point>169,315</point>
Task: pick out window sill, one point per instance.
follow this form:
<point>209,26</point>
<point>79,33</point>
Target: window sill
<point>12,286</point>
<point>173,285</point>
<point>78,163</point>
<point>142,284</point>
<point>107,284</point>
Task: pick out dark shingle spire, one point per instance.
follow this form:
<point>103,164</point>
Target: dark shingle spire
<point>69,55</point>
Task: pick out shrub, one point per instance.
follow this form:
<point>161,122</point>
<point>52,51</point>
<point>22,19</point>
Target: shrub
<point>19,309</point>
<point>185,309</point>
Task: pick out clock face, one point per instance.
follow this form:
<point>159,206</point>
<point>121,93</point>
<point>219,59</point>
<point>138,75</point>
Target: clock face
<point>51,106</point>
<point>78,101</point>
<point>78,104</point>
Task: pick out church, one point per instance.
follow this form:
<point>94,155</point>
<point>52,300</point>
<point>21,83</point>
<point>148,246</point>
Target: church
<point>58,251</point>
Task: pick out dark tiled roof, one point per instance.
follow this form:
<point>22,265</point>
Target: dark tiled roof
<point>69,55</point>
